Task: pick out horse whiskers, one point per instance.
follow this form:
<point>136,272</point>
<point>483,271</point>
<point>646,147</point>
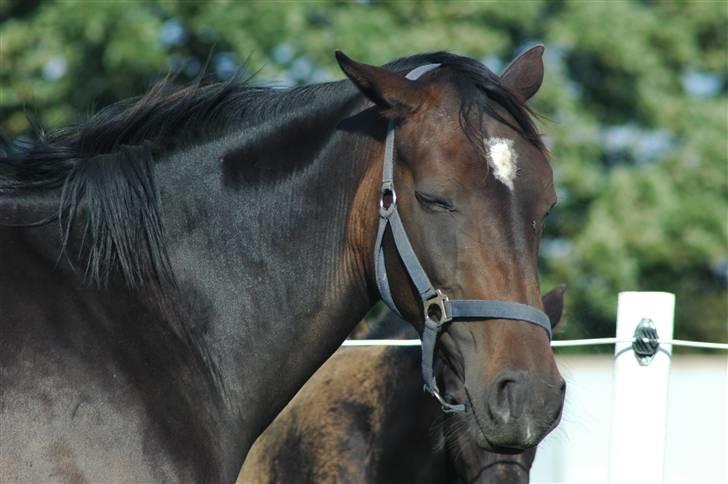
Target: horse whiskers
<point>452,428</point>
<point>437,432</point>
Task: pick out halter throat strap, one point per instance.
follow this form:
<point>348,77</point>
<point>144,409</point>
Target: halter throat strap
<point>438,310</point>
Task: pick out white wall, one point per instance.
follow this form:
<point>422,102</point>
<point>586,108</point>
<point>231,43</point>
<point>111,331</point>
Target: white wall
<point>696,450</point>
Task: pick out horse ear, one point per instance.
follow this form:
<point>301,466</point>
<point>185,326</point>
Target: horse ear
<point>392,93</point>
<point>525,74</point>
<point>553,304</point>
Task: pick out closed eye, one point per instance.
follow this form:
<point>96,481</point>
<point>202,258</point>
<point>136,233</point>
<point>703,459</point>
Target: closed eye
<point>434,203</point>
<point>535,226</point>
<point>553,205</point>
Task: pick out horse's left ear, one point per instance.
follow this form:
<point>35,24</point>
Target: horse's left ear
<point>393,94</point>
<point>553,304</point>
<point>525,74</point>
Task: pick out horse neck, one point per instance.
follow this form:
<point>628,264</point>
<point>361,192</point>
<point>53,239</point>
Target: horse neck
<point>271,263</point>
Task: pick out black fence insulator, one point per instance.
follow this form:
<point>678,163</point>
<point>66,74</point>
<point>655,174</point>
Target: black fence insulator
<point>646,342</point>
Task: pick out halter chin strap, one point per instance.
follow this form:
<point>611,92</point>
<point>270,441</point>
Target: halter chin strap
<point>438,310</point>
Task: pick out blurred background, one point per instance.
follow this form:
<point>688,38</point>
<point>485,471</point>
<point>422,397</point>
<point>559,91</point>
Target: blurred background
<point>635,106</point>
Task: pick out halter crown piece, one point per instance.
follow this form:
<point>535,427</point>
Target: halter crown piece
<point>438,310</point>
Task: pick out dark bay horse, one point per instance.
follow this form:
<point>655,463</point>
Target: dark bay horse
<point>175,268</point>
<point>364,418</point>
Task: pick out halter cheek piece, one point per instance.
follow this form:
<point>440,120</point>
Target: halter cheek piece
<point>438,309</point>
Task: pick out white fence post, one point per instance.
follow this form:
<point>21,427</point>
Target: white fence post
<point>640,392</point>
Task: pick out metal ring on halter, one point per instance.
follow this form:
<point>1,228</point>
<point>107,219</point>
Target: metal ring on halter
<point>387,189</point>
<point>445,406</point>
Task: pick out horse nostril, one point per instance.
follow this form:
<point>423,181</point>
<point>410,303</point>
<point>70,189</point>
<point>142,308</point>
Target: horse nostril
<point>563,387</point>
<point>505,401</point>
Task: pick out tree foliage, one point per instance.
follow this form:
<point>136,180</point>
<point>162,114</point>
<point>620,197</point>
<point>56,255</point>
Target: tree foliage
<point>635,106</point>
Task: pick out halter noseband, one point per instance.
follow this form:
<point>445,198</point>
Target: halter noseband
<point>438,309</point>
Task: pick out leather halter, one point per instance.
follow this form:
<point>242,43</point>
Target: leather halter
<point>438,309</point>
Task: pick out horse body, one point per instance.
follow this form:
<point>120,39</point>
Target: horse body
<point>150,374</point>
<point>77,404</point>
<point>215,247</point>
<point>361,418</point>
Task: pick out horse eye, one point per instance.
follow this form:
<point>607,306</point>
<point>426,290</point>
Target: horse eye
<point>553,205</point>
<point>433,202</point>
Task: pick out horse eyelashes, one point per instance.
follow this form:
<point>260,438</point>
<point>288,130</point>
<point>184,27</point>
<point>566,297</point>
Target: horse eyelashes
<point>434,203</point>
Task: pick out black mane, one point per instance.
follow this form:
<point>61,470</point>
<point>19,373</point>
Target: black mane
<point>107,162</point>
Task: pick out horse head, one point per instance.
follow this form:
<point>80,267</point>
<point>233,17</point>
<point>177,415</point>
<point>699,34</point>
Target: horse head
<point>471,186</point>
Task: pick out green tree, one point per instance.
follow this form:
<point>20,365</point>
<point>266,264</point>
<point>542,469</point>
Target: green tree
<point>635,104</point>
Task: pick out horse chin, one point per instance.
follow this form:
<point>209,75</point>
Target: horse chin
<point>510,448</point>
<point>502,472</point>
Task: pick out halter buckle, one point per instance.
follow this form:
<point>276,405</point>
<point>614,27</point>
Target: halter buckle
<point>387,191</point>
<point>435,308</point>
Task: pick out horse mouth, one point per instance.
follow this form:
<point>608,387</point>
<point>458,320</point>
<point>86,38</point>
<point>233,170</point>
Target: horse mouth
<point>489,446</point>
<point>486,444</point>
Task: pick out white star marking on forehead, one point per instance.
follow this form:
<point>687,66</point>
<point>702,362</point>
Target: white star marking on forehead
<point>503,159</point>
